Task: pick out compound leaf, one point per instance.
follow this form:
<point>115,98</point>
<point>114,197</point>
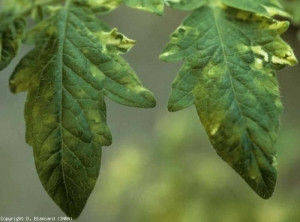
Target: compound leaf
<point>229,60</point>
<point>154,6</point>
<point>74,65</point>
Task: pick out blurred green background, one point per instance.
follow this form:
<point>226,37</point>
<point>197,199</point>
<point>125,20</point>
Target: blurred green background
<point>161,166</point>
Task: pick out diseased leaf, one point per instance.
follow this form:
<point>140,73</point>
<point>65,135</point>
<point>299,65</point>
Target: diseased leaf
<point>154,6</point>
<point>12,30</point>
<point>229,60</point>
<point>74,64</point>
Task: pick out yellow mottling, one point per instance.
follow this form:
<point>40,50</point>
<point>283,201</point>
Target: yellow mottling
<point>259,50</point>
<point>107,3</point>
<point>51,30</point>
<point>114,38</point>
<point>258,63</point>
<point>138,89</point>
<point>280,27</point>
<point>277,60</point>
<point>211,72</point>
<point>289,59</point>
<point>274,162</point>
<point>214,129</point>
<point>243,48</point>
<point>220,4</point>
<point>243,15</point>
<point>276,11</point>
<point>166,54</point>
<point>253,174</point>
<point>96,73</point>
<point>53,9</point>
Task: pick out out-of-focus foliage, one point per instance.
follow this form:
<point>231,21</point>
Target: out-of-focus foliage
<point>172,179</point>
<point>293,7</point>
<point>16,5</point>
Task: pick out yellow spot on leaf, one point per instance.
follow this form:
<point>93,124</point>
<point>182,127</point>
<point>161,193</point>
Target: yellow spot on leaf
<point>214,129</point>
<point>280,27</point>
<point>243,15</point>
<point>259,50</point>
<point>119,41</point>
<point>274,162</point>
<point>258,64</point>
<point>272,11</point>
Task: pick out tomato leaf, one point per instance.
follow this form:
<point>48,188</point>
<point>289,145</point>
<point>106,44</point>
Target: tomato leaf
<point>74,65</point>
<point>229,60</point>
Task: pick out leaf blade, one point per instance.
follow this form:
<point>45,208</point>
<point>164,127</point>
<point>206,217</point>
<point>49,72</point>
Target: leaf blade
<point>229,59</point>
<point>66,76</point>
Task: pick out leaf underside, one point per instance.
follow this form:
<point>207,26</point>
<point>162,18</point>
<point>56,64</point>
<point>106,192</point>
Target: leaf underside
<point>229,60</point>
<point>74,65</point>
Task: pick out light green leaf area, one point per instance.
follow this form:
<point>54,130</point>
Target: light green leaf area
<point>154,6</point>
<point>293,7</point>
<point>229,60</point>
<point>67,75</point>
<point>11,33</point>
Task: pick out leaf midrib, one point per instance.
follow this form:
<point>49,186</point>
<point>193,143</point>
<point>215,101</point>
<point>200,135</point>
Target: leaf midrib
<point>215,17</point>
<point>61,43</point>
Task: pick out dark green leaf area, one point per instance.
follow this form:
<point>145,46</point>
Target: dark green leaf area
<point>11,33</point>
<point>230,57</point>
<point>67,76</point>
